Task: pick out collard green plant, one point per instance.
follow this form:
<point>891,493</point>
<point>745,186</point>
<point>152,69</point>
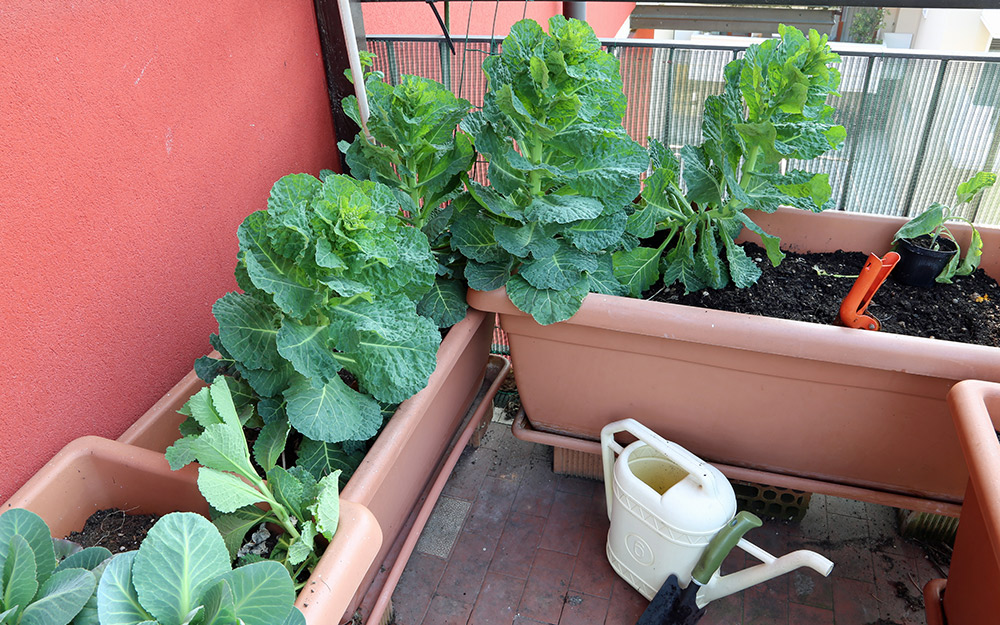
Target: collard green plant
<point>330,279</point>
<point>562,171</point>
<point>932,222</point>
<point>305,507</point>
<point>415,150</point>
<point>773,108</point>
<point>181,575</point>
<point>36,588</point>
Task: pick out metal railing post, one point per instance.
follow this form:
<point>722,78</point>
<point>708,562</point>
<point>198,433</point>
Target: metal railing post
<point>445,53</point>
<point>390,57</point>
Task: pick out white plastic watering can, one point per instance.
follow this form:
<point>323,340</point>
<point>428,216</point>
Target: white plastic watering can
<point>666,506</point>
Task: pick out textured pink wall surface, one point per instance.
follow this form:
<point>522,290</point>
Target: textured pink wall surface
<point>134,138</point>
<point>416,18</point>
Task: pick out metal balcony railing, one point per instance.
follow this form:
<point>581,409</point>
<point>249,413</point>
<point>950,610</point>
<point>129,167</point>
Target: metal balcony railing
<point>917,124</point>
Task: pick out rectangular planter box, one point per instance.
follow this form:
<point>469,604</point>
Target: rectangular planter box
<point>94,473</point>
<point>971,592</point>
<point>814,407</point>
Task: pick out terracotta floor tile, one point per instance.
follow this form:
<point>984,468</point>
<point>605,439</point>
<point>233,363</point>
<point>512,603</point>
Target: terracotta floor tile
<point>489,512</point>
<point>808,615</point>
<point>593,574</point>
<point>808,587</point>
<point>467,566</point>
<point>564,529</point>
<point>577,485</point>
<point>498,600</point>
<point>767,603</point>
<point>582,609</point>
<point>898,589</point>
<point>516,549</point>
<point>850,550</point>
<point>524,620</point>
<point>446,611</point>
<point>854,602</point>
<point>469,473</point>
<point>627,604</point>
<point>725,611</point>
<point>536,491</point>
<point>416,587</point>
<point>598,516</point>
<point>547,585</point>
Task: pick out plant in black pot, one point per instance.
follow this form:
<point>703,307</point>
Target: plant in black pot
<point>928,250</point>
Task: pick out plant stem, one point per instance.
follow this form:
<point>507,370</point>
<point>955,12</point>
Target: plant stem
<point>748,166</point>
<point>535,175</point>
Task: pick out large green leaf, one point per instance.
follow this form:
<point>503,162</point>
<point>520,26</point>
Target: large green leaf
<point>321,459</point>
<point>235,525</point>
<point>117,601</point>
<point>218,604</point>
<point>637,269</point>
<point>307,347</point>
<point>180,557</point>
<point>287,281</point>
<point>31,527</point>
<point>473,236</point>
<point>270,443</point>
<point>596,235</point>
<point>248,329</point>
<point>18,581</point>
<point>563,209</point>
<point>703,180</point>
<point>326,509</point>
<point>333,412</point>
<point>444,303</point>
<point>226,492</point>
<point>87,559</point>
<point>547,306</point>
<point>533,238</point>
<point>60,598</point>
<point>558,271</point>
<point>262,592</point>
<point>487,276</point>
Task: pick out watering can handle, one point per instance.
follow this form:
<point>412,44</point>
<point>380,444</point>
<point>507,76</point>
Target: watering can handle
<point>691,463</point>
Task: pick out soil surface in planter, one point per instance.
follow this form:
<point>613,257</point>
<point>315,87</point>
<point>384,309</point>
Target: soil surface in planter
<point>115,530</point>
<point>806,287</point>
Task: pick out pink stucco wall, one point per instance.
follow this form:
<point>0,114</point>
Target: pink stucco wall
<point>134,138</point>
<point>416,18</point>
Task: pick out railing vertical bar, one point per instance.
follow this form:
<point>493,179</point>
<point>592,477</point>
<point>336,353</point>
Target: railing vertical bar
<point>922,149</point>
<point>669,105</point>
<point>858,115</point>
<point>390,55</point>
<point>445,52</point>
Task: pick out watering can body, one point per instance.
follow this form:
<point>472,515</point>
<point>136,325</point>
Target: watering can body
<point>666,505</point>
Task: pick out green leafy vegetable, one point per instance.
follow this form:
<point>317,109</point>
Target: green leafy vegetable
<point>331,279</point>
<point>181,574</point>
<point>415,150</point>
<point>303,505</point>
<point>782,85</point>
<point>562,171</point>
<point>932,222</point>
<point>35,588</point>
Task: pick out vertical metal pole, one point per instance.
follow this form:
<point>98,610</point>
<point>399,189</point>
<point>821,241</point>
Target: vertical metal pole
<point>390,57</point>
<point>922,149</point>
<point>575,10</point>
<point>335,60</point>
<point>852,132</point>
<point>445,53</point>
<point>670,97</point>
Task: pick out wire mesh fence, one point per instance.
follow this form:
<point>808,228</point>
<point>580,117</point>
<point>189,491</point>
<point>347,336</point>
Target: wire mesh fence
<point>917,124</point>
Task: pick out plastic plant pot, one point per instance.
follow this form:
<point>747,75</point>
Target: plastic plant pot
<point>918,264</point>
<point>94,473</point>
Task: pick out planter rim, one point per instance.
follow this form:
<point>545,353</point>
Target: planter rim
<point>783,337</point>
<point>345,560</point>
<point>970,402</point>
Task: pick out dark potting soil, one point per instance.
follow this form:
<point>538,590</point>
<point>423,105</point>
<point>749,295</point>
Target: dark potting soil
<point>805,287</point>
<point>115,530</point>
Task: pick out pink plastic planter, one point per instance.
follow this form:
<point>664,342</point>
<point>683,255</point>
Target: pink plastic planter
<point>821,408</point>
<point>94,473</point>
<point>971,595</point>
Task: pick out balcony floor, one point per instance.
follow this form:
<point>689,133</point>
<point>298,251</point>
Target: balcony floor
<point>510,542</point>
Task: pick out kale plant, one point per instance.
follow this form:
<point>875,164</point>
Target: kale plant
<point>181,575</point>
<point>302,505</point>
<point>36,586</point>
<point>415,150</point>
<point>330,279</point>
<point>773,108</point>
<point>562,171</point>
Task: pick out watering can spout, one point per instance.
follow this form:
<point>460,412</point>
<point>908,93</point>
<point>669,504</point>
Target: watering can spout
<point>769,568</point>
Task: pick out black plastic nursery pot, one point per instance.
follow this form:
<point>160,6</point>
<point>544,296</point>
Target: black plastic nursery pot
<point>918,264</point>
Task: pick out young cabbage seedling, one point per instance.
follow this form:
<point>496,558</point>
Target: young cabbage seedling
<point>932,222</point>
<point>37,587</point>
<point>306,508</point>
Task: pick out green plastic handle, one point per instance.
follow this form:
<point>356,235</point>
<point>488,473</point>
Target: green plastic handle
<point>721,544</point>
